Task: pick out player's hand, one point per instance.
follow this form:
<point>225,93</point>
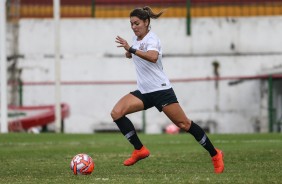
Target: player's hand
<point>123,43</point>
<point>128,55</point>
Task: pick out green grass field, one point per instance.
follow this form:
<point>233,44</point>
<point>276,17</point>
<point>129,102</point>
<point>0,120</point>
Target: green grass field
<point>45,158</point>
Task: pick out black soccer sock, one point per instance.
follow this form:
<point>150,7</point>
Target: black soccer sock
<point>127,129</point>
<point>202,138</point>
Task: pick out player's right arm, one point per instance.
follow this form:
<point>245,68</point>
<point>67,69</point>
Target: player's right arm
<point>128,55</point>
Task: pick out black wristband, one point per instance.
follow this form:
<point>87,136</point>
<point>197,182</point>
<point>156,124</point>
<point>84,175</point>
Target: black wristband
<point>132,50</point>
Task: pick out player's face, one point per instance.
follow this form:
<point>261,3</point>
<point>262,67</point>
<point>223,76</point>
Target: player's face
<point>139,27</point>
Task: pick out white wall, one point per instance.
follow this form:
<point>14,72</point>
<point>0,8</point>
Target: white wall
<point>86,42</point>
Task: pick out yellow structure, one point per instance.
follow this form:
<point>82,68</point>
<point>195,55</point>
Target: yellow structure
<point>35,11</point>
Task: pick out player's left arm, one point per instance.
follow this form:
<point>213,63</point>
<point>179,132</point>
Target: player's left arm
<point>150,55</point>
<point>152,51</point>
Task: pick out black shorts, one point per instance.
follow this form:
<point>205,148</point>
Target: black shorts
<point>159,99</point>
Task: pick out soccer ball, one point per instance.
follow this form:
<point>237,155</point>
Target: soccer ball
<point>82,164</point>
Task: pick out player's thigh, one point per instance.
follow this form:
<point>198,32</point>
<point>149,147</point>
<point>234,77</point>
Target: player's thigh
<point>175,113</point>
<point>128,104</point>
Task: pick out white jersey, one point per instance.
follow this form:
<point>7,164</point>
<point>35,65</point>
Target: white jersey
<point>150,76</point>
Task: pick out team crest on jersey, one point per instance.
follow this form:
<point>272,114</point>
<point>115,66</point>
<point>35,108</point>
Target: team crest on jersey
<point>142,46</point>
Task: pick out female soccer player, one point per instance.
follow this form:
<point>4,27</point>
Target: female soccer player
<point>153,89</point>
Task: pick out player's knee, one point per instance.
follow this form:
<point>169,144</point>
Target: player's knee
<point>184,125</point>
<point>115,114</point>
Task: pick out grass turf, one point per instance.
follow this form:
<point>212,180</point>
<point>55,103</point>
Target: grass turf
<point>45,158</point>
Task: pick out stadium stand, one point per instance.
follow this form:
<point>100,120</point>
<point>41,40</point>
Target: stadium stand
<point>121,8</point>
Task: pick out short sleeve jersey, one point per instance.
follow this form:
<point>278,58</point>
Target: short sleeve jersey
<point>150,76</point>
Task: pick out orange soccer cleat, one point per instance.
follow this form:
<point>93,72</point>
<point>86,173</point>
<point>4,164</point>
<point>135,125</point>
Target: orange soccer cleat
<point>136,156</point>
<point>217,161</point>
